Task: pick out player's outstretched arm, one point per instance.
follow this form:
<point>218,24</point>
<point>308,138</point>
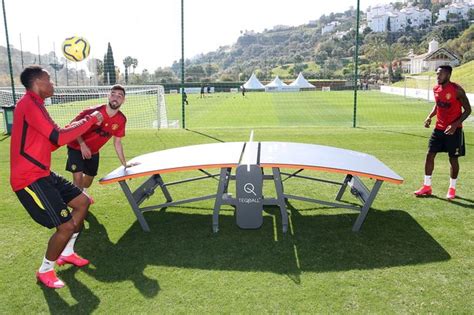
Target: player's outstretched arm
<point>119,149</point>
<point>39,119</point>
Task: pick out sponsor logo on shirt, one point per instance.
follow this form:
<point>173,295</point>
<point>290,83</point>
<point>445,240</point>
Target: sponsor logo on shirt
<point>443,104</point>
<point>102,133</point>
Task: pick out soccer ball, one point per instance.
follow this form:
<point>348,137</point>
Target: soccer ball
<point>76,48</point>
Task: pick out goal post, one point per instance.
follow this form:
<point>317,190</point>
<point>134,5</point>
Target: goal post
<point>420,86</point>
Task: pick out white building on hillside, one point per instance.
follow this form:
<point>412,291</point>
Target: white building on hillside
<point>378,18</point>
<point>459,8</point>
<point>429,61</point>
<point>329,27</point>
<point>416,17</point>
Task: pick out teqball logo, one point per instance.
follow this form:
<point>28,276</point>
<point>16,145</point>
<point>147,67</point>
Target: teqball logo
<point>249,188</point>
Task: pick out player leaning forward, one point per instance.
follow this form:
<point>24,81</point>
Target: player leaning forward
<point>46,195</point>
<point>451,109</point>
<point>83,153</point>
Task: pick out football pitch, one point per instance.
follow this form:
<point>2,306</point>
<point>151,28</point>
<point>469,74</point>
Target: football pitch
<point>297,109</point>
<point>411,256</point>
<point>264,110</point>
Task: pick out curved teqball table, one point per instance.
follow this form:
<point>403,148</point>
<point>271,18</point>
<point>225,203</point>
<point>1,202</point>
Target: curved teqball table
<point>259,155</point>
<point>194,157</point>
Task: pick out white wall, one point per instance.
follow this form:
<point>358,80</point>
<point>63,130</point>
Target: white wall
<point>417,93</point>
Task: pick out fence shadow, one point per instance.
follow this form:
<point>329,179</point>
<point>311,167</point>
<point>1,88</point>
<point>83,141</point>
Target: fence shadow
<point>205,135</point>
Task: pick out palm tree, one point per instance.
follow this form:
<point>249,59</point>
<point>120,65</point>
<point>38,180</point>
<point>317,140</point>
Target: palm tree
<point>380,50</point>
<point>134,63</point>
<point>127,62</point>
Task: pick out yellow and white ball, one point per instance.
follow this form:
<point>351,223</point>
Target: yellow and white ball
<point>76,48</point>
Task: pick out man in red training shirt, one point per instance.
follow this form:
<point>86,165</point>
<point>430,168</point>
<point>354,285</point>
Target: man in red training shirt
<point>447,136</point>
<point>46,195</point>
<point>83,153</point>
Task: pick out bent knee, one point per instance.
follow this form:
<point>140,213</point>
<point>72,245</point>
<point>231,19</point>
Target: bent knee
<point>81,202</point>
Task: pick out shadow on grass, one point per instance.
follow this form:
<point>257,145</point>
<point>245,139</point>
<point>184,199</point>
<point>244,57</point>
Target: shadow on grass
<point>401,133</point>
<point>4,137</point>
<point>87,302</point>
<point>109,263</point>
<point>205,135</point>
<point>411,134</point>
<point>315,243</point>
<point>459,201</point>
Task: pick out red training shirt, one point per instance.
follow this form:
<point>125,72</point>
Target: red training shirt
<point>34,136</point>
<point>97,136</point>
<point>448,107</point>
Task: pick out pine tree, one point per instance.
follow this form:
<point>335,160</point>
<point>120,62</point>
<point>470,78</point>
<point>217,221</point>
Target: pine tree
<point>109,67</point>
<point>106,65</point>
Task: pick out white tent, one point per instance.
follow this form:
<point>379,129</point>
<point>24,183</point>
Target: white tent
<point>279,85</point>
<point>302,83</point>
<point>253,83</point>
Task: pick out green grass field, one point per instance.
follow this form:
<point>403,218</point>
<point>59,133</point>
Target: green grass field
<point>411,256</point>
<point>265,110</point>
<point>297,109</point>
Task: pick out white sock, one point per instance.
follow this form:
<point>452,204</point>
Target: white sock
<point>69,249</point>
<point>427,181</point>
<point>452,183</point>
<point>84,189</point>
<point>46,266</point>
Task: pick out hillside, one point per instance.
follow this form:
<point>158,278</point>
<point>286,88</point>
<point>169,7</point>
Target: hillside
<point>286,51</point>
<point>28,58</point>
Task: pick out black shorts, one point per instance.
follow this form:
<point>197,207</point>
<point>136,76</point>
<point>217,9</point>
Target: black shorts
<point>453,144</point>
<point>46,200</point>
<point>75,163</point>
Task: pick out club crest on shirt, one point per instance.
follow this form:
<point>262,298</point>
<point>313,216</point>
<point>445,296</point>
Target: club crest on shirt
<point>115,126</point>
<point>448,96</point>
<point>64,213</point>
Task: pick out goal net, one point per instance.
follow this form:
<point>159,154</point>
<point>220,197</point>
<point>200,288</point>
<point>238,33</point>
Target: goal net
<point>419,87</point>
<point>144,106</point>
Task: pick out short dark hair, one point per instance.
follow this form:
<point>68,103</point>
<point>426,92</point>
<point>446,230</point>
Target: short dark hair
<point>29,74</point>
<point>118,87</point>
<point>446,68</point>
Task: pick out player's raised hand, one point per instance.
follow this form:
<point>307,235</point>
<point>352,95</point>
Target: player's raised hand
<point>99,117</point>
